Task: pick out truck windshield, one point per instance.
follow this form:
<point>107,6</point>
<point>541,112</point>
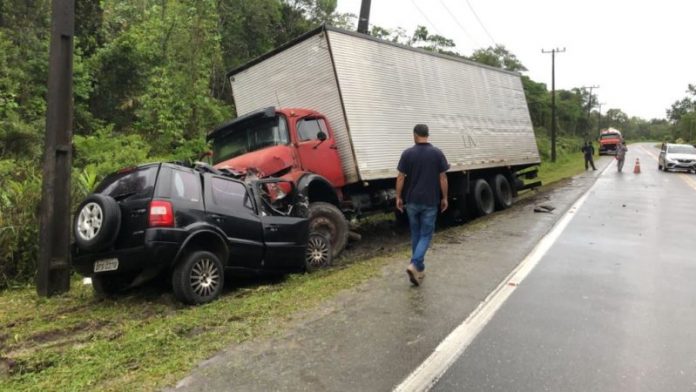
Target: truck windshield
<point>250,136</point>
<point>609,136</point>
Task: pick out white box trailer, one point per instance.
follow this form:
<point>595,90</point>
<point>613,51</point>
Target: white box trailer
<point>373,92</point>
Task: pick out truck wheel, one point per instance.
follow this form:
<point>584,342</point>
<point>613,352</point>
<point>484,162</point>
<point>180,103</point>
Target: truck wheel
<point>327,219</point>
<point>482,200</point>
<point>502,192</point>
<point>198,278</point>
<point>318,254</point>
<point>97,222</point>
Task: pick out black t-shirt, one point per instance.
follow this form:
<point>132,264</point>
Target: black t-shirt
<point>422,165</point>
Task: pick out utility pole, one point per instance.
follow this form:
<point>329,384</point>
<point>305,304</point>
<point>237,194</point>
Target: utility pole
<point>553,99</point>
<point>364,21</point>
<point>589,108</point>
<point>54,228</point>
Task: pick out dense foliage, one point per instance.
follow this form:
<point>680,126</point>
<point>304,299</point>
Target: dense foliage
<point>149,82</point>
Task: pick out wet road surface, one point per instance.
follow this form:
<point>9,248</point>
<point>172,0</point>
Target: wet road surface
<point>371,337</point>
<point>611,306</point>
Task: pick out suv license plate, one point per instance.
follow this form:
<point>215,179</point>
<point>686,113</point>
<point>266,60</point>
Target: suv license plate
<point>106,265</point>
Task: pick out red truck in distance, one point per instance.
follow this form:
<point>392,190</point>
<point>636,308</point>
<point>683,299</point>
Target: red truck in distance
<point>608,141</point>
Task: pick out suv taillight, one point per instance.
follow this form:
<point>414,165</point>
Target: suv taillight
<point>161,214</point>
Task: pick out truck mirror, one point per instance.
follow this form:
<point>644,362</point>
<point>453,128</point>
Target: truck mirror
<point>322,136</point>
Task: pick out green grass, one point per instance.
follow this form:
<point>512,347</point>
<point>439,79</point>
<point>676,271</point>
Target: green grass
<point>565,167</point>
<point>75,342</point>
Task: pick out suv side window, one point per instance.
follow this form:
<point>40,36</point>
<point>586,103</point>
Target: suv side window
<point>230,194</point>
<point>186,186</point>
<point>308,128</point>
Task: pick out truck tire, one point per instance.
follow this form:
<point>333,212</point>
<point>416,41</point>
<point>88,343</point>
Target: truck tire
<point>198,278</point>
<point>502,191</point>
<point>481,197</point>
<point>327,219</point>
<point>97,222</point>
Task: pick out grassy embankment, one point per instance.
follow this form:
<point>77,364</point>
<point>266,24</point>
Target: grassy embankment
<point>146,340</point>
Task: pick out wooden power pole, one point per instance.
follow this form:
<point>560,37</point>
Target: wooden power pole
<point>54,229</point>
<point>553,99</point>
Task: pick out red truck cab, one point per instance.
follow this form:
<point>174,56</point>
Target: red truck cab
<point>608,141</point>
<point>285,143</point>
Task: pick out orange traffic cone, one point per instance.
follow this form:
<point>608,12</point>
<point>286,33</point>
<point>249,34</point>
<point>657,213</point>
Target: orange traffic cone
<point>636,168</point>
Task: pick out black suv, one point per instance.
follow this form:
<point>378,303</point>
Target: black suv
<point>192,224</point>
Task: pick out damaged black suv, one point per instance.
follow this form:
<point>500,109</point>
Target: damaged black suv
<point>191,224</point>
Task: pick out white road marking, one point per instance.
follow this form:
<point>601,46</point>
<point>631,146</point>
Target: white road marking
<point>454,345</point>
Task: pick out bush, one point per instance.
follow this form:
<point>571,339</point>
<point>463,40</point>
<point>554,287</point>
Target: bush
<point>20,197</point>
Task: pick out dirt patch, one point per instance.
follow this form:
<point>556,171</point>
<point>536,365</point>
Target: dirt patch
<point>60,334</point>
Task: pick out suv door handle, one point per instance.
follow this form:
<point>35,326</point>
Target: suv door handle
<point>272,228</point>
<point>216,217</point>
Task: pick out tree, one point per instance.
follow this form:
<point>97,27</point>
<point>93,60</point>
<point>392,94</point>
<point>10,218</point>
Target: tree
<point>498,56</point>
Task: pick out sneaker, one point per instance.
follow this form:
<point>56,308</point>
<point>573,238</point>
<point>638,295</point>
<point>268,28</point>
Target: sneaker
<point>413,274</point>
<point>420,276</point>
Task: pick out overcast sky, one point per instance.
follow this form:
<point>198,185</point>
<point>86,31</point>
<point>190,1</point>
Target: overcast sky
<point>639,52</point>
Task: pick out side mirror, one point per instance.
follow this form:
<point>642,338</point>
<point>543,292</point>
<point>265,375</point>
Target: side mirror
<point>322,136</point>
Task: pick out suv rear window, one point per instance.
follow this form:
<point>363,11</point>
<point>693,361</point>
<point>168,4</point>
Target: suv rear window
<point>139,183</point>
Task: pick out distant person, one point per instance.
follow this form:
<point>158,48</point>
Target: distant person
<point>588,151</point>
<point>422,169</point>
<point>620,155</point>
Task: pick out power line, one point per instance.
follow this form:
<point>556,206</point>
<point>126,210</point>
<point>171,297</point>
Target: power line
<point>459,24</point>
<point>426,18</point>
<point>481,23</point>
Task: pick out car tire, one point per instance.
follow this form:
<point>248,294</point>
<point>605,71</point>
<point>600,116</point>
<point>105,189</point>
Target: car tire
<point>318,254</point>
<point>107,286</point>
<point>198,278</point>
<point>481,197</point>
<point>327,219</point>
<point>97,222</point>
<point>659,167</point>
<point>502,191</point>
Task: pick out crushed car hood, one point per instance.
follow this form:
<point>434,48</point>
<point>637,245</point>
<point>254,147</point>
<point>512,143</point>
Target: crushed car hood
<point>266,162</point>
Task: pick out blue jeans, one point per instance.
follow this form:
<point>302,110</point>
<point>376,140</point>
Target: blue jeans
<point>421,219</point>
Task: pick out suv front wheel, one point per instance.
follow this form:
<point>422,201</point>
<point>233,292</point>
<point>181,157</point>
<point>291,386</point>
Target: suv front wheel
<point>198,278</point>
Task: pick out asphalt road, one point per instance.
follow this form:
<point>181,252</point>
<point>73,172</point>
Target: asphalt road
<point>612,304</point>
<point>372,337</point>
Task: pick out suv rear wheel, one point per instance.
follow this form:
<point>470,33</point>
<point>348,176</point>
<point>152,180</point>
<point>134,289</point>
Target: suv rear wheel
<point>198,278</point>
<point>106,286</point>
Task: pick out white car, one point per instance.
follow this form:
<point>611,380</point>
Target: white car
<point>677,157</point>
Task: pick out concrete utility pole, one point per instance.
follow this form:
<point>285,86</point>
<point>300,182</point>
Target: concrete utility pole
<point>364,21</point>
<point>589,108</point>
<point>54,229</point>
<point>553,99</point>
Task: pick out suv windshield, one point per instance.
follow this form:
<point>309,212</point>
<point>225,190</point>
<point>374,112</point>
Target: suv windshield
<point>609,136</point>
<point>250,136</point>
<point>686,149</point>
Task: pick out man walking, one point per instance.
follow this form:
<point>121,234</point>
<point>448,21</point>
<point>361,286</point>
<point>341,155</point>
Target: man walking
<point>588,151</point>
<point>620,155</point>
<point>422,173</point>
